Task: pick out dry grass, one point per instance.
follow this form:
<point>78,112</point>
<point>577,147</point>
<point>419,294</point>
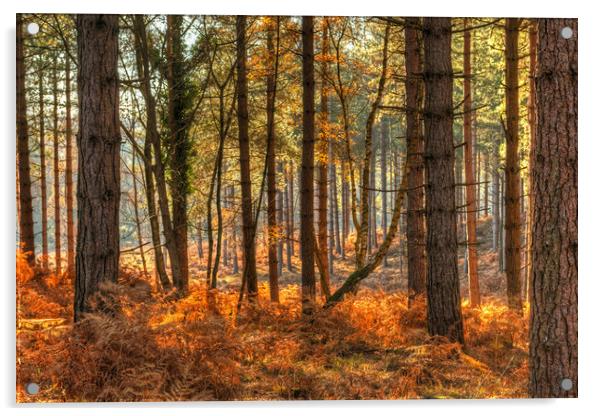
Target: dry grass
<point>150,347</point>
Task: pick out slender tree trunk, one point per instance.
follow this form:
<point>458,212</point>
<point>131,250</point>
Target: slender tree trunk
<point>361,244</point>
<point>43,168</point>
<point>308,278</point>
<point>250,268</point>
<point>495,194</point>
<point>486,184</point>
<point>323,159</point>
<point>384,136</point>
<point>345,209</point>
<point>151,143</point>
<point>288,220</point>
<point>218,199</point>
<point>335,207</point>
<point>512,170</point>
<point>137,217</point>
<point>444,312</point>
<point>471,204</point>
<point>415,148</point>
<point>280,219</point>
<point>179,164</point>
<point>291,189</point>
<point>98,142</point>
<point>69,171</point>
<point>26,235</point>
<point>56,170</point>
<point>273,226</point>
<point>553,322</point>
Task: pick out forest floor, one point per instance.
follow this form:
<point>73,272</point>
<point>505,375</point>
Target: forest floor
<point>148,346</point>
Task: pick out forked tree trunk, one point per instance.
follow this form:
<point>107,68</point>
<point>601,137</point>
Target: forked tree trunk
<point>306,189</point>
<point>444,314</point>
<point>415,229</point>
<point>512,170</point>
<point>250,268</point>
<point>26,235</point>
<point>98,142</point>
<point>469,177</point>
<point>553,322</point>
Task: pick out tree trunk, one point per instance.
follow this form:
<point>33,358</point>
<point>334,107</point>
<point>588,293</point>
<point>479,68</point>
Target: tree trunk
<point>553,322</point>
<point>26,235</point>
<point>137,217</point>
<point>56,172</point>
<point>69,171</point>
<point>323,160</point>
<point>43,180</point>
<point>384,136</point>
<point>444,312</point>
<point>415,229</point>
<point>98,142</point>
<point>361,244</point>
<point>495,194</point>
<point>308,277</point>
<point>288,220</point>
<point>151,141</point>
<point>512,170</point>
<point>273,226</point>
<point>178,134</point>
<point>250,268</point>
<point>469,178</point>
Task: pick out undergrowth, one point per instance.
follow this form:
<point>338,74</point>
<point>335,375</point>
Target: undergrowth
<point>145,346</point>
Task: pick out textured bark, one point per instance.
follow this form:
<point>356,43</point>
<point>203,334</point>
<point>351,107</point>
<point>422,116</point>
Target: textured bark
<point>151,142</point>
<point>43,169</point>
<point>323,160</point>
<point>55,169</point>
<point>532,122</point>
<point>471,205</point>
<point>308,277</point>
<point>250,268</point>
<point>553,330</point>
<point>415,229</point>
<point>69,171</point>
<point>179,145</point>
<point>361,243</point>
<point>273,226</point>
<point>98,143</point>
<point>512,226</point>
<point>444,312</point>
<point>26,235</point>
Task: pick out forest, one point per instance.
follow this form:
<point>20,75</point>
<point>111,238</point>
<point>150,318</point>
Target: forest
<point>295,207</point>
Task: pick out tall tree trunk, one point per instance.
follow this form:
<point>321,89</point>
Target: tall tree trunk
<point>553,322</point>
<point>495,194</point>
<point>69,171</point>
<point>323,159</point>
<point>384,136</point>
<point>152,145</point>
<point>250,268</point>
<point>56,171</point>
<point>306,188</point>
<point>512,170</point>
<point>344,209</point>
<point>361,244</point>
<point>98,142</point>
<point>469,178</point>
<point>273,227</point>
<point>43,168</point>
<point>291,189</point>
<point>26,235</point>
<point>288,220</point>
<point>415,148</point>
<point>179,164</point>
<point>444,312</point>
<point>280,219</point>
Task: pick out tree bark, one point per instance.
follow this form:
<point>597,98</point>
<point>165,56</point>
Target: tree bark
<point>43,168</point>
<point>444,312</point>
<point>469,178</point>
<point>26,235</point>
<point>512,170</point>
<point>250,268</point>
<point>384,137</point>
<point>415,229</point>
<point>98,142</point>
<point>553,321</point>
<point>308,277</point>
